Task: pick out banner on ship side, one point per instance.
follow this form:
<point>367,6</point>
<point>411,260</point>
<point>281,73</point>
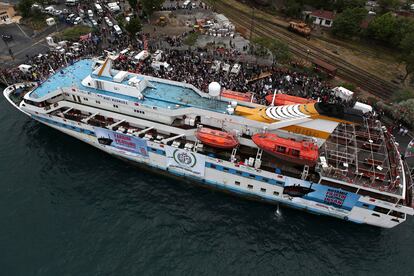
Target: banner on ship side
<point>317,192</point>
<point>191,162</point>
<point>123,143</point>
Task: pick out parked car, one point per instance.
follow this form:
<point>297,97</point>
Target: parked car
<point>117,29</point>
<point>94,23</point>
<point>71,17</point>
<point>77,21</point>
<point>108,22</point>
<point>7,37</point>
<point>90,14</point>
<point>57,12</point>
<point>49,10</point>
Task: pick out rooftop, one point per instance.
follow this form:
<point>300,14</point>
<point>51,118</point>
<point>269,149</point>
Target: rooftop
<point>324,14</point>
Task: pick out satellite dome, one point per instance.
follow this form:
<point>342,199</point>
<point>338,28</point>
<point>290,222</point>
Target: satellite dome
<point>214,89</point>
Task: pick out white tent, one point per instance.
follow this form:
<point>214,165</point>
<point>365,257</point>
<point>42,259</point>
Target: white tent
<point>343,93</point>
<point>363,107</point>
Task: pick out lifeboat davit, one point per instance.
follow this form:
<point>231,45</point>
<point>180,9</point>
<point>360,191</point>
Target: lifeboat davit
<point>283,99</point>
<point>216,138</point>
<point>298,152</point>
<point>239,96</point>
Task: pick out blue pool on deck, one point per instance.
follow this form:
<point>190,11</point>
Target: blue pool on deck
<point>163,95</point>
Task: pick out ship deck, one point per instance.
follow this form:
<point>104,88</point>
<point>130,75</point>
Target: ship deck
<point>364,156</point>
<point>163,95</point>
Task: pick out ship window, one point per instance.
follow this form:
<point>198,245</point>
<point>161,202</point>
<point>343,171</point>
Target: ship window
<point>115,106</point>
<point>381,210</point>
<point>375,215</point>
<point>225,169</point>
<point>85,99</point>
<point>250,186</point>
<point>237,183</point>
<point>397,214</point>
<point>396,220</point>
<point>213,166</point>
<point>280,149</point>
<point>365,205</point>
<point>294,152</point>
<point>98,102</point>
<point>276,193</point>
<point>263,190</point>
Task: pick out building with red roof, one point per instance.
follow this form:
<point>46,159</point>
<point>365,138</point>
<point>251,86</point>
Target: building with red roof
<point>323,18</point>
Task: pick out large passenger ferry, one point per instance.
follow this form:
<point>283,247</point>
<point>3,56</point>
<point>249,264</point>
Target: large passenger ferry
<point>321,158</point>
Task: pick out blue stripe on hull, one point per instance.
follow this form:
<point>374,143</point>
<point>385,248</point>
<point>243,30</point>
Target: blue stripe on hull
<point>214,184</point>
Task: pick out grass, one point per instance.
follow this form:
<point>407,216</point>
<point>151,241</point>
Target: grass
<point>191,39</point>
<point>73,33</point>
<point>37,22</point>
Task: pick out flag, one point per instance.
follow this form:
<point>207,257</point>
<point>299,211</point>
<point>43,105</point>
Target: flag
<point>409,152</point>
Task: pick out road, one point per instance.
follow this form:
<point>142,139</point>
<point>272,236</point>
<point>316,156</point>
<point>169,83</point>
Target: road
<point>25,42</point>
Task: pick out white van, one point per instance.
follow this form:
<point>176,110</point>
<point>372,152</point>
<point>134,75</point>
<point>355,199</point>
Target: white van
<point>90,14</point>
<point>157,65</point>
<point>98,8</point>
<point>117,29</point>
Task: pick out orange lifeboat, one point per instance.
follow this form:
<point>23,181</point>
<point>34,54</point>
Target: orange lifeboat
<point>299,152</point>
<point>283,99</point>
<point>216,138</point>
<point>245,97</point>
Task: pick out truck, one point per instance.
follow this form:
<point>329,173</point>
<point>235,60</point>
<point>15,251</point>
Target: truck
<point>300,28</point>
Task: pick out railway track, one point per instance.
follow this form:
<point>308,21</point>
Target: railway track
<point>300,46</point>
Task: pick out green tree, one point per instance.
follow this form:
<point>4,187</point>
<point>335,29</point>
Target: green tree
<point>347,23</point>
<point>293,8</point>
<point>387,5</point>
<point>402,95</point>
<point>149,6</point>
<point>341,5</point>
<point>134,26</point>
<point>384,28</point>
<point>25,7</point>
<point>133,4</point>
<point>280,51</point>
<point>407,53</point>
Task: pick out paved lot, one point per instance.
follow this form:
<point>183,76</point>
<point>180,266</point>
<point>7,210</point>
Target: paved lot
<point>24,42</point>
